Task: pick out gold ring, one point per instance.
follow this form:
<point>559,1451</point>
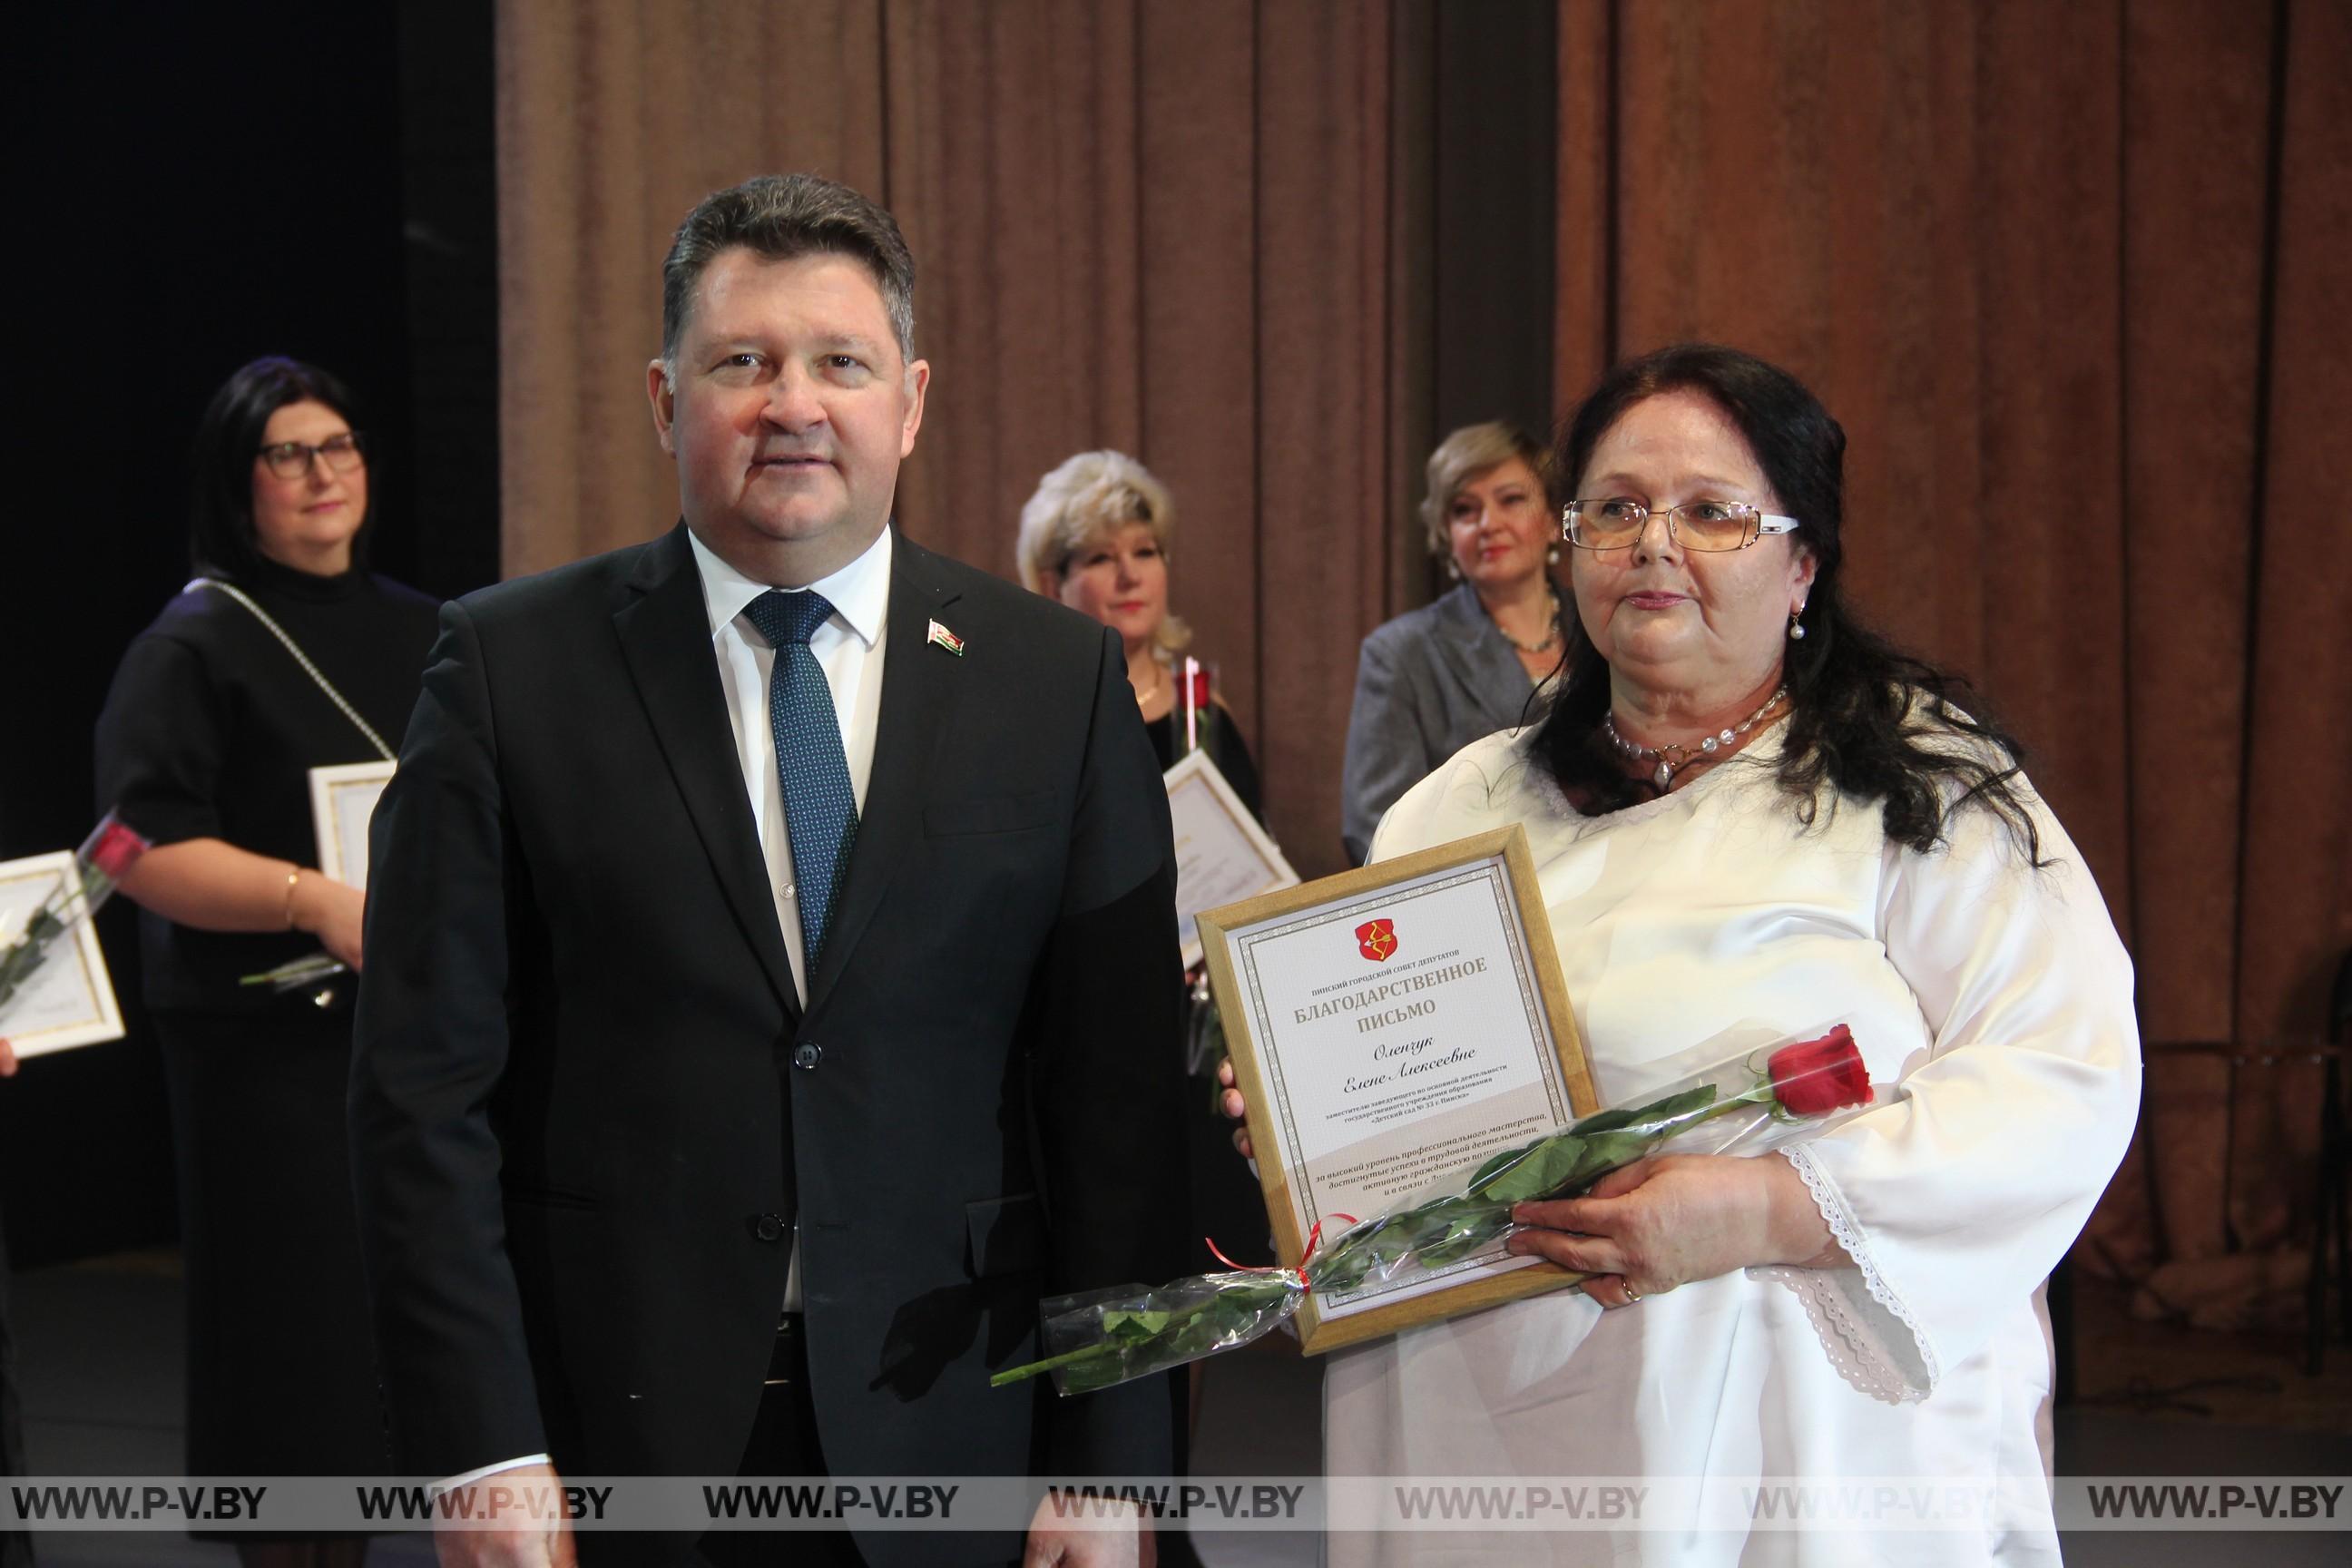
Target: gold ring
<point>1631,1294</point>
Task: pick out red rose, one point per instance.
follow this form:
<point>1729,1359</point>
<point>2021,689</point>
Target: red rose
<point>113,848</point>
<point>1813,1077</point>
<point>1200,679</point>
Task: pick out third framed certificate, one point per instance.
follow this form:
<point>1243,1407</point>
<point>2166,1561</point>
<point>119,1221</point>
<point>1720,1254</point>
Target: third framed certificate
<point>1222,854</point>
<point>1391,1028</point>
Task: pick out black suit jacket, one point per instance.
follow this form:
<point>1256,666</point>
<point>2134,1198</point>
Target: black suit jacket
<point>586,1105</point>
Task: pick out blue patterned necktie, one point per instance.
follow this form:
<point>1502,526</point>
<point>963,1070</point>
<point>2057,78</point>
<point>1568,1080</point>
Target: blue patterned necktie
<point>819,807</point>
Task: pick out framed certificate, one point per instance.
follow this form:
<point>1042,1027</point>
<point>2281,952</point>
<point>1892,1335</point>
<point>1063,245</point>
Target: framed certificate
<point>1222,854</point>
<point>342,799</point>
<point>70,1000</point>
<point>1391,1028</point>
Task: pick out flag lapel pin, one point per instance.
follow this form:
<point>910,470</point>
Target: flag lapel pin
<point>945,639</point>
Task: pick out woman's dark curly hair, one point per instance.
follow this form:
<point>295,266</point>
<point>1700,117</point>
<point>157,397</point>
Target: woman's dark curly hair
<point>1867,718</point>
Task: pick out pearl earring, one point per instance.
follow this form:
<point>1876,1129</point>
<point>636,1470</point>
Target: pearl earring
<point>1551,555</point>
<point>1796,627</point>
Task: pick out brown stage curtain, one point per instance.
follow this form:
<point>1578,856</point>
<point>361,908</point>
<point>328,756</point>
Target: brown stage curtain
<point>2073,279</point>
<point>1164,229</point>
<point>2073,276</point>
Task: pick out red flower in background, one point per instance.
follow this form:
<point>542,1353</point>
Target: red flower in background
<point>1200,679</point>
<point>114,847</point>
<point>1813,1077</point>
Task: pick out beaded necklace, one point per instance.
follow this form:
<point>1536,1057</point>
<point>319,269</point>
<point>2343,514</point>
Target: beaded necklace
<point>1673,760</point>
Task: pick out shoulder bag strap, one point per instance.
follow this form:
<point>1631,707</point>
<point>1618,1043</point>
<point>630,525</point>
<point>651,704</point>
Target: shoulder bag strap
<point>258,614</point>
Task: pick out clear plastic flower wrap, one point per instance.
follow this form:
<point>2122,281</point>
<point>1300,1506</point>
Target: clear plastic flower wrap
<point>1747,1105</point>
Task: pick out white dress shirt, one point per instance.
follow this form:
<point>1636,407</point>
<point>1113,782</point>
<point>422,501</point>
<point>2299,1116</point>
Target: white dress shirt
<point>849,649</point>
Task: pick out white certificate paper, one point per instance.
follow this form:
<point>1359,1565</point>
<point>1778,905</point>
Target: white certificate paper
<point>70,1001</point>
<point>342,800</point>
<point>1223,855</point>
<point>1398,1029</point>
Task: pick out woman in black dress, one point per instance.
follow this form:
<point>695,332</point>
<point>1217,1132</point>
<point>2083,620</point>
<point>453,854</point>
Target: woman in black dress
<point>285,655</point>
<point>1096,535</point>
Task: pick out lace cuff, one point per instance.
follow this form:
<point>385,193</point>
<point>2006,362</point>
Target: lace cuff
<point>1870,1336</point>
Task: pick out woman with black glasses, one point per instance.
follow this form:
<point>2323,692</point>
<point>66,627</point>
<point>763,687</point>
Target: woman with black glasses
<point>283,655</point>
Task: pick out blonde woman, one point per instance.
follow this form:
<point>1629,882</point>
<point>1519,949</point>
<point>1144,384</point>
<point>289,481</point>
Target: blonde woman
<point>1095,536</point>
<point>1433,679</point>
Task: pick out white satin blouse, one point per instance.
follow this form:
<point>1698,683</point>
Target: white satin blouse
<point>1993,1003</point>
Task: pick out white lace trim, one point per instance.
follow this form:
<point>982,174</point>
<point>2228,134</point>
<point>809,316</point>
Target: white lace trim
<point>1855,1349</point>
<point>1837,1316</point>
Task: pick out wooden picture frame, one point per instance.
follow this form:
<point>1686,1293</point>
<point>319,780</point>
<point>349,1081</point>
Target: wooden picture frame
<point>1343,1101</point>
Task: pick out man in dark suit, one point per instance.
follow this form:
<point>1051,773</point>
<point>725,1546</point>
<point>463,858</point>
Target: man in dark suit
<point>773,917</point>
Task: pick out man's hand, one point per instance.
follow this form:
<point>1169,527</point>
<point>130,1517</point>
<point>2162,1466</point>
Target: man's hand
<point>1056,1542</point>
<point>7,1058</point>
<point>516,1521</point>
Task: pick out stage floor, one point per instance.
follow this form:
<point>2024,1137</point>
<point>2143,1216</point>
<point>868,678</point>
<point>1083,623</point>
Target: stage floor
<point>102,1356</point>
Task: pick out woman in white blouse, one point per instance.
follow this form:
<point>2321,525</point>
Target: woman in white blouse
<point>1753,819</point>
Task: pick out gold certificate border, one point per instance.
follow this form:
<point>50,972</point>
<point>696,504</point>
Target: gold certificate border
<point>1331,898</point>
<point>57,869</point>
<point>329,789</point>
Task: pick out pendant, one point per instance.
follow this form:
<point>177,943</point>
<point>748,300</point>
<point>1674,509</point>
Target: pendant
<point>1665,775</point>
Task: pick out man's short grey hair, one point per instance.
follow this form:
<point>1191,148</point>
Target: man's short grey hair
<point>1462,457</point>
<point>780,218</point>
<point>1087,497</point>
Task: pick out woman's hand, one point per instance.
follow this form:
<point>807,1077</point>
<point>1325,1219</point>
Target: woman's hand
<point>331,912</point>
<point>1665,1222</point>
<point>7,1058</point>
<point>1235,1107</point>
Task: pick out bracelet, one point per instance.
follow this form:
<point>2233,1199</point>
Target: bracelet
<point>293,878</point>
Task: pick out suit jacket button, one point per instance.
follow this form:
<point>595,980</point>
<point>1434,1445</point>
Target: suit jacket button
<point>805,1055</point>
<point>768,1227</point>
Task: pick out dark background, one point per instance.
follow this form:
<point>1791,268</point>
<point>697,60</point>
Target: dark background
<point>196,186</point>
<point>193,186</point>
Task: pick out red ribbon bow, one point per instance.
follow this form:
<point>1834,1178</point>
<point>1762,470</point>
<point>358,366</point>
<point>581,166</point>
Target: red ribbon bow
<point>1313,1236</point>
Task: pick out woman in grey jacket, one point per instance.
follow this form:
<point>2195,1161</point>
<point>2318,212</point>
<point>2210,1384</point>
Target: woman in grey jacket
<point>1433,679</point>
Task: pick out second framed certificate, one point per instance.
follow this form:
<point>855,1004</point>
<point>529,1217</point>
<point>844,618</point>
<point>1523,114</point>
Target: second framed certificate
<point>1393,1027</point>
<point>342,803</point>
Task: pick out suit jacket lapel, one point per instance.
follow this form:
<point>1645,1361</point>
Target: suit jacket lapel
<point>918,688</point>
<point>665,632</point>
<point>1480,657</point>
